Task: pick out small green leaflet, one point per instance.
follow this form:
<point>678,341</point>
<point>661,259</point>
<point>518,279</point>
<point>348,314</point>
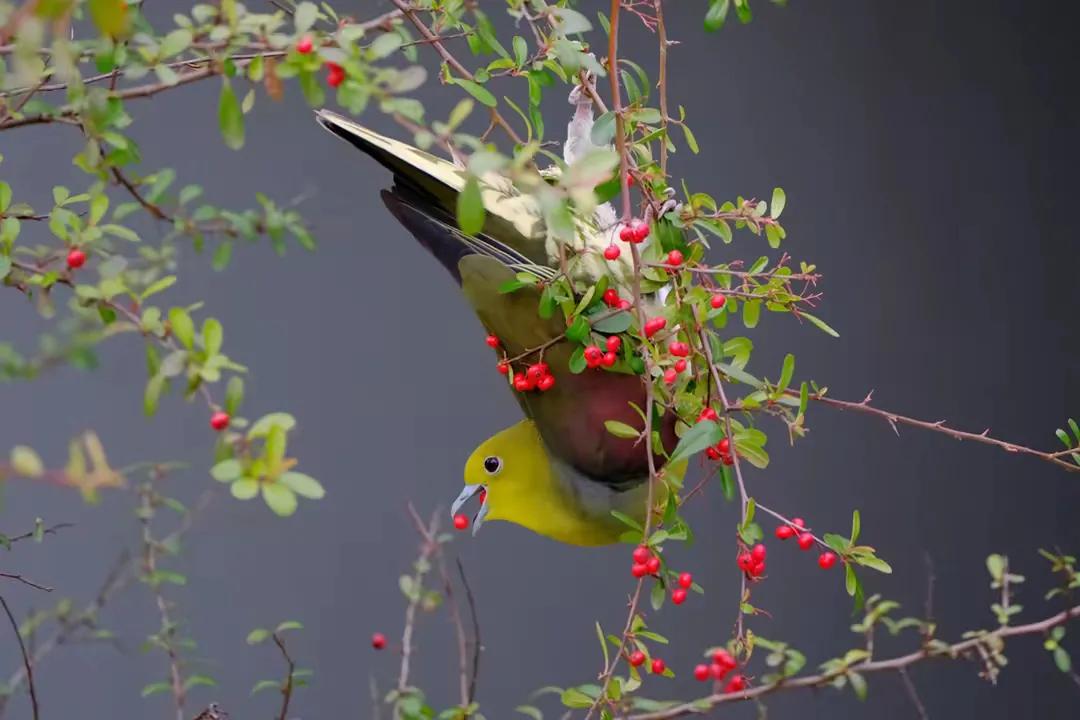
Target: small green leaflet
<point>470,207</point>
<point>700,436</point>
<point>230,118</point>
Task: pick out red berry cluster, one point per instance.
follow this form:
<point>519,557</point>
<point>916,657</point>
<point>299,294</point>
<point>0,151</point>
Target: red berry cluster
<point>722,450</point>
<point>752,562</point>
<point>722,663</point>
<point>536,377</point>
<point>645,562</point>
<point>595,357</point>
<point>634,231</point>
<point>654,326</point>
<point>686,581</point>
<point>612,299</point>
<point>797,529</point>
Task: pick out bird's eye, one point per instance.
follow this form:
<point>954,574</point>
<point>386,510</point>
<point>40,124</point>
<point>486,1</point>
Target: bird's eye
<point>492,464</point>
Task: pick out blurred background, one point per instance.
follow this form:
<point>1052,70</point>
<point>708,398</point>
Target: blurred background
<point>928,151</point>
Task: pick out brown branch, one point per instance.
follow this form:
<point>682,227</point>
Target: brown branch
<point>427,549</point>
<point>287,687</point>
<point>896,664</point>
<point>624,167</point>
<point>28,664</point>
<point>661,34</point>
<point>913,693</point>
<point>476,630</point>
<point>939,426</point>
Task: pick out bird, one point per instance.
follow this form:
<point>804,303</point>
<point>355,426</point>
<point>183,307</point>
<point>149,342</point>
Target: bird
<point>558,472</point>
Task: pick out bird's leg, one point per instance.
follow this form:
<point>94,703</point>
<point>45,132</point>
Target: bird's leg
<point>579,130</point>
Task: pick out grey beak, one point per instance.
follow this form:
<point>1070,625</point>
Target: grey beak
<point>466,494</point>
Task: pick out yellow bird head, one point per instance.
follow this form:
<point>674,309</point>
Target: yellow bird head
<point>520,483</point>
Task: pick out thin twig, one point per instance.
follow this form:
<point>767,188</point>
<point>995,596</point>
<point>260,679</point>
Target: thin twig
<point>287,686</point>
<point>475,627</point>
<point>913,693</point>
<point>24,581</point>
<point>28,664</point>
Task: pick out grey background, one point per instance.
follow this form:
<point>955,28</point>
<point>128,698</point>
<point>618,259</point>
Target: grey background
<point>928,152</point>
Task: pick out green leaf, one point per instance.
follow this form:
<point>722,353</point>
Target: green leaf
<point>751,313</point>
<point>700,436</point>
<point>621,429</point>
<point>470,207</point>
<point>772,235</point>
<point>266,423</point>
<point>5,196</point>
<point>265,685</point>
<point>1062,659</point>
<point>786,373</point>
<point>160,285</point>
<point>288,625</point>
<point>230,118</point>
<point>478,91</point>
<point>175,43</point>
<point>617,323</point>
<point>183,329</point>
<point>244,488</point>
<point>279,498</point>
<point>603,130</point>
<point>856,525</point>
<point>26,462</point>
<point>227,470</point>
<point>5,266</point>
<point>304,16</point>
<point>212,336</point>
<point>155,688</point>
<point>234,394</point>
<point>691,141</point>
<point>303,485</point>
<point>779,201</point>
<point>574,698</point>
<point>821,324</point>
<point>717,13</point>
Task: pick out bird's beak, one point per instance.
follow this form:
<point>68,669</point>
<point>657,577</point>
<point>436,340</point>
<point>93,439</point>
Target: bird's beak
<point>466,493</point>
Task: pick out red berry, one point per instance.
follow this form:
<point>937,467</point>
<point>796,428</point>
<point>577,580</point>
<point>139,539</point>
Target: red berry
<point>745,562</point>
<point>758,553</point>
<point>503,368</point>
<point>670,376</point>
<point>708,414</point>
<point>653,565</point>
<point>783,532</point>
<point>674,258</point>
<point>611,297</point>
<point>759,568</point>
<point>718,300</point>
<point>634,231</point>
<point>304,45</point>
<point>461,522</point>
<point>593,356</point>
<point>735,684</point>
<point>680,365</point>
<point>629,180</point>
<point>727,459</point>
<point>609,359</point>
<point>642,554</point>
<point>335,74</point>
<point>639,570</point>
<point>718,671</point>
<point>625,304</point>
<point>806,541</point>
<point>723,658</point>
<point>637,658</point>
<point>654,326</point>
<point>219,420</point>
<point>378,641</point>
<point>612,252</point>
<point>679,349</point>
<point>826,559</point>
<point>546,383</point>
<point>678,596</point>
<point>535,372</point>
<point>492,341</point>
<point>724,445</point>
<point>658,666</point>
<point>483,496</point>
<point>614,342</point>
<point>521,383</point>
<point>712,453</point>
<point>701,672</point>
<point>686,580</point>
<point>76,258</point>
<point>798,522</point>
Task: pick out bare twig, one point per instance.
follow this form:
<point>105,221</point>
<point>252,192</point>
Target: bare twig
<point>287,686</point>
<point>28,664</point>
<point>913,693</point>
<point>24,581</point>
<point>476,630</point>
